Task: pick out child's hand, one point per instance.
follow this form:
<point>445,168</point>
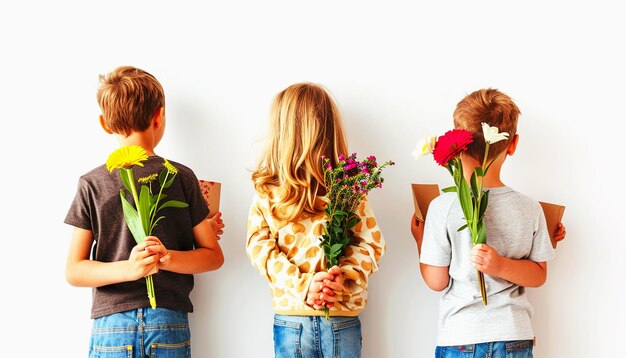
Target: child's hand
<point>560,232</point>
<point>316,295</point>
<point>334,287</point>
<point>142,261</point>
<point>417,229</point>
<point>486,259</point>
<point>336,283</point>
<point>156,247</point>
<point>217,224</point>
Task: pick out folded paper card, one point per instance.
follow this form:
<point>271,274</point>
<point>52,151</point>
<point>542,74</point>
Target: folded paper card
<point>554,215</point>
<point>211,193</point>
<point>423,194</point>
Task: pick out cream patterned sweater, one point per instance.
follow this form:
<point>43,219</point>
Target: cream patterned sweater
<point>288,254</point>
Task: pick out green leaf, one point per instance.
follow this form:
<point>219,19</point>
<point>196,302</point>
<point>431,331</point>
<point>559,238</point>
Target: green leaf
<point>482,234</point>
<point>336,248</point>
<point>169,182</point>
<point>450,189</point>
<point>462,228</point>
<point>352,222</point>
<point>144,208</point>
<point>127,178</point>
<point>483,205</point>
<point>162,176</point>
<point>466,199</point>
<point>132,220</point>
<point>479,172</point>
<point>174,204</point>
<point>474,182</point>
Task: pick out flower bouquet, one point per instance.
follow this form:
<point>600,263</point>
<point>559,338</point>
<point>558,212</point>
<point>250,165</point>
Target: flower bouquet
<point>142,219</point>
<point>346,184</point>
<point>446,151</point>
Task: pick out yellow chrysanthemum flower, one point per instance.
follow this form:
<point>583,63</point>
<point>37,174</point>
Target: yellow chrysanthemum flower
<point>126,157</point>
<point>148,179</point>
<point>170,168</point>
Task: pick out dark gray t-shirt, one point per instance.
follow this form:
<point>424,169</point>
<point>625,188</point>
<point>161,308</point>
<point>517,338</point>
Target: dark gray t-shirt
<point>516,228</point>
<point>97,207</point>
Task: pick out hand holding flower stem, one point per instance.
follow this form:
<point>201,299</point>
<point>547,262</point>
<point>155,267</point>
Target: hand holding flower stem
<point>142,219</point>
<point>447,151</point>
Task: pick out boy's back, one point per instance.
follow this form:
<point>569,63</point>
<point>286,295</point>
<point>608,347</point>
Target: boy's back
<point>516,229</point>
<point>97,207</point>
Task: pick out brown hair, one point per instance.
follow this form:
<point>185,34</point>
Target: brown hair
<point>304,125</point>
<point>129,97</point>
<point>492,107</point>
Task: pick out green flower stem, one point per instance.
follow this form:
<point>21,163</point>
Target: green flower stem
<point>151,295</point>
<point>481,282</point>
<point>156,204</point>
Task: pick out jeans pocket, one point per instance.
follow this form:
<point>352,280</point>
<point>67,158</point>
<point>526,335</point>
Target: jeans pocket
<point>466,351</point>
<point>111,352</point>
<point>170,350</point>
<point>519,349</point>
<point>347,337</point>
<point>287,338</point>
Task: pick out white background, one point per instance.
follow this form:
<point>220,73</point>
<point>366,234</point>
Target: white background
<point>396,70</point>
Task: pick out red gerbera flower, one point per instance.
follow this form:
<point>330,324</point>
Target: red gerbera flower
<point>450,145</point>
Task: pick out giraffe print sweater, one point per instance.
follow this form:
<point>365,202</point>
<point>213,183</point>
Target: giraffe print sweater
<point>288,254</point>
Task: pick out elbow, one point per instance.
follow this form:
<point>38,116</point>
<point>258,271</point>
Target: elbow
<point>71,277</point>
<point>539,281</point>
<point>541,276</point>
<point>436,278</point>
<point>437,285</point>
<point>218,260</point>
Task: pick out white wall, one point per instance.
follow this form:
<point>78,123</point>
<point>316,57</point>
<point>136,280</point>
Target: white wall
<point>396,70</point>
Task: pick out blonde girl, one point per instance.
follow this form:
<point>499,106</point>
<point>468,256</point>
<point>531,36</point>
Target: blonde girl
<point>285,224</point>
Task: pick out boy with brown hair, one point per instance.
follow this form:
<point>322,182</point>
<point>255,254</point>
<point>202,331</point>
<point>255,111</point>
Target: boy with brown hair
<point>515,257</point>
<point>103,254</point>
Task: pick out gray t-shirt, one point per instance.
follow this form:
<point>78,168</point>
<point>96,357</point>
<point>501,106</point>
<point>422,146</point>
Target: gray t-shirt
<point>516,228</point>
<point>97,207</point>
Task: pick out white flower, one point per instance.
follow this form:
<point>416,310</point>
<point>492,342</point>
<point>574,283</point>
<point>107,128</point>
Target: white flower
<point>491,134</point>
<point>425,147</point>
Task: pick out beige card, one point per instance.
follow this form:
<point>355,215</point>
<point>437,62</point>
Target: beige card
<point>211,193</point>
<point>423,194</point>
<point>554,215</point>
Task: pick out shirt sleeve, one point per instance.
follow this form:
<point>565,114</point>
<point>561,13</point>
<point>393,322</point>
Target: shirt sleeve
<point>361,257</point>
<point>263,251</point>
<point>436,246</point>
<point>78,214</point>
<point>542,249</point>
<point>198,208</point>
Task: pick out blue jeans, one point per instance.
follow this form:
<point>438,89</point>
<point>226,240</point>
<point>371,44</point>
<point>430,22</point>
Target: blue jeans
<point>508,349</point>
<point>140,333</point>
<point>313,336</point>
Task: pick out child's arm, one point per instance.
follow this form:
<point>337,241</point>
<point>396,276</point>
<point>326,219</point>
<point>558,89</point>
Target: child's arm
<point>207,255</point>
<point>361,257</point>
<point>435,277</point>
<point>217,224</point>
<point>560,232</point>
<point>83,272</point>
<point>273,264</point>
<point>524,273</point>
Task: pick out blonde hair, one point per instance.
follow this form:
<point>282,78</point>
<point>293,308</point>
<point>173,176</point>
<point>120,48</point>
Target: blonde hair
<point>129,97</point>
<point>304,125</point>
<point>492,107</point>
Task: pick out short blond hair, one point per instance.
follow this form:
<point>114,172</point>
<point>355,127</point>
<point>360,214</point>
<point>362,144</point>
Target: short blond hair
<point>305,125</point>
<point>129,98</point>
<point>492,107</point>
